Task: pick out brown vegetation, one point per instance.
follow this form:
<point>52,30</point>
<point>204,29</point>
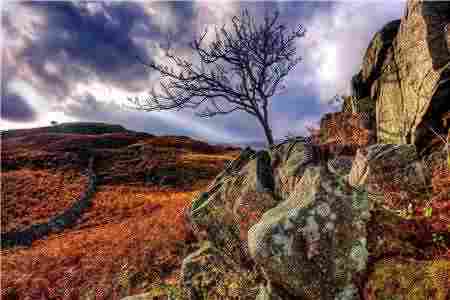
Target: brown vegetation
<point>34,196</point>
<point>134,234</point>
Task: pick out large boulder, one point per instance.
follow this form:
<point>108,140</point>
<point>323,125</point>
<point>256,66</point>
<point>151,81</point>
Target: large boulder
<point>235,201</point>
<point>208,274</point>
<point>222,215</point>
<point>241,194</point>
<point>405,72</point>
<point>313,244</point>
<point>289,162</point>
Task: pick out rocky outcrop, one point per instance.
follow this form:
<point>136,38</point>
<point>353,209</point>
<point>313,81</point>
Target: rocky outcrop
<point>311,244</point>
<point>340,215</point>
<point>223,214</point>
<point>319,233</point>
<point>405,75</point>
<point>55,224</point>
<point>374,59</point>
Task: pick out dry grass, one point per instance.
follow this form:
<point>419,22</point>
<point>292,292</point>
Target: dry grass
<point>131,237</point>
<point>128,230</point>
<point>34,196</point>
<point>195,157</point>
<point>187,143</point>
<point>115,203</point>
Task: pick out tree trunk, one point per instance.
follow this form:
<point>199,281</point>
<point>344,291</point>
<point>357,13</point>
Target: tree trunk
<point>265,124</point>
<point>267,132</point>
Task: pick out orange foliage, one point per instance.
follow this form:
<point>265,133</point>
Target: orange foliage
<point>34,196</point>
<point>128,230</point>
<point>132,235</point>
<point>188,144</point>
<point>441,180</point>
<point>345,128</point>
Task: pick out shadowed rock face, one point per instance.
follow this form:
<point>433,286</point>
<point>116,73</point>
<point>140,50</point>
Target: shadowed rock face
<point>404,72</point>
<point>434,118</point>
<point>264,178</point>
<point>437,18</point>
<point>374,58</point>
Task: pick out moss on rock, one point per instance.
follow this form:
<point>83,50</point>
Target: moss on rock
<point>409,280</point>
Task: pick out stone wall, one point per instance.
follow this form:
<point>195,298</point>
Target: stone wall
<point>55,224</point>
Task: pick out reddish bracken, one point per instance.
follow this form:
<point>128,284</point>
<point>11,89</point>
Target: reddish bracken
<point>441,180</point>
<point>346,129</point>
<point>132,235</point>
<point>34,196</point>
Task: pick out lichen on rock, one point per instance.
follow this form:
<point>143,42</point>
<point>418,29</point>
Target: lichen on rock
<point>312,237</point>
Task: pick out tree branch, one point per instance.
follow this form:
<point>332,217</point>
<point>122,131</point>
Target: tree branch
<point>257,57</point>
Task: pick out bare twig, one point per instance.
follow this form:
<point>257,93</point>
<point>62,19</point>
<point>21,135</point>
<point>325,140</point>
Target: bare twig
<point>240,71</point>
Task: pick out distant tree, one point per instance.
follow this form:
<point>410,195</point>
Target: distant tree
<point>54,123</point>
<point>240,71</point>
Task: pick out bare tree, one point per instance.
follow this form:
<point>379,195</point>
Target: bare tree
<point>241,70</point>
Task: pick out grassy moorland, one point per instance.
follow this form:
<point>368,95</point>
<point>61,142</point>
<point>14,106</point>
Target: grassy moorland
<point>34,196</point>
<point>133,236</point>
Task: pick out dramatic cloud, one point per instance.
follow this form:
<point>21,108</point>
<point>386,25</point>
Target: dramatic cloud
<point>336,42</point>
<point>76,61</point>
<point>15,108</point>
<point>88,108</point>
<point>82,42</point>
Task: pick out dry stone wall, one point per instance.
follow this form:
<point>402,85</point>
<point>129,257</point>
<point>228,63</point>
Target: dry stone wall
<point>57,223</point>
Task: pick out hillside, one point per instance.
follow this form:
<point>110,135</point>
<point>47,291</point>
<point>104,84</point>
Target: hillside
<point>132,235</point>
<point>358,211</point>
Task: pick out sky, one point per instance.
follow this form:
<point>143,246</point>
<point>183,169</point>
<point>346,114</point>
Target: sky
<point>75,61</point>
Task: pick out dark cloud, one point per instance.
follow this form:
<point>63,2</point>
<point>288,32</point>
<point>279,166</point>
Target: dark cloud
<point>83,42</point>
<point>86,42</point>
<point>14,108</point>
<point>62,49</point>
